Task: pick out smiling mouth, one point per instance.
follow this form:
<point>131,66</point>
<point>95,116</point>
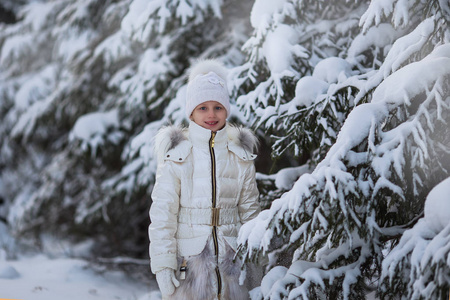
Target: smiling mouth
<point>212,123</point>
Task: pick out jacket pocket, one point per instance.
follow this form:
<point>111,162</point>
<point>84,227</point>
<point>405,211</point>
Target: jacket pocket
<point>231,241</point>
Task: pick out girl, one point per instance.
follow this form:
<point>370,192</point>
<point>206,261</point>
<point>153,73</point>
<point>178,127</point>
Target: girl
<point>205,190</point>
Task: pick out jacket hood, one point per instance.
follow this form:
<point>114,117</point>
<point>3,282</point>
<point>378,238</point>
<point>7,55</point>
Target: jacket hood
<point>169,137</point>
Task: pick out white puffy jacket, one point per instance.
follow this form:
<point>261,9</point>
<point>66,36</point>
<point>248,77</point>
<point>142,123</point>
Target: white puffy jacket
<point>205,190</point>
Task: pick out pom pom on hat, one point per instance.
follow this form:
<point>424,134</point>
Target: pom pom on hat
<point>207,82</point>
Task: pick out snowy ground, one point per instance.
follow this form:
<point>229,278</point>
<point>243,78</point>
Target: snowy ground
<point>42,278</point>
<point>53,273</point>
<point>56,275</point>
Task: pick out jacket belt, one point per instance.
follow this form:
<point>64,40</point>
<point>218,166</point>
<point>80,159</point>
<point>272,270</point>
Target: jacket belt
<point>208,216</point>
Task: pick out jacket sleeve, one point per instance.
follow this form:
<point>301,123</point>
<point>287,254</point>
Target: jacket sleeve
<point>249,206</point>
<point>164,218</point>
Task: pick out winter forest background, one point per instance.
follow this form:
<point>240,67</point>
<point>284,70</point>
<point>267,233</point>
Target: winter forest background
<point>350,101</point>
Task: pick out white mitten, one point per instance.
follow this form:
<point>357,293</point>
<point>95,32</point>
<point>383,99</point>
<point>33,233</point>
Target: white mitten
<point>167,281</point>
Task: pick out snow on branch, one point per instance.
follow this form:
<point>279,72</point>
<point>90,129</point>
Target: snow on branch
<point>403,50</point>
<point>146,18</point>
<point>398,10</point>
<point>298,93</point>
<point>335,193</point>
<point>94,130</point>
<point>273,49</point>
<point>33,100</point>
<point>421,257</point>
<point>145,84</point>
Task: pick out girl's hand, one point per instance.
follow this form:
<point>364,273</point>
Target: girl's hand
<point>167,281</point>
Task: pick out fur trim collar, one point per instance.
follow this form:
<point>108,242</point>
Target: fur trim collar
<point>243,137</point>
<point>172,136</point>
<point>167,138</point>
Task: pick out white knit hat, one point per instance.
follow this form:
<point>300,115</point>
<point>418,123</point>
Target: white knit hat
<point>207,82</point>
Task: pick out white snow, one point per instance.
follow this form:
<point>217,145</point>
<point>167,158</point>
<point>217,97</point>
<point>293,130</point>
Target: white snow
<point>92,128</point>
<point>140,23</point>
<point>424,247</point>
<point>114,48</point>
<point>411,80</point>
<point>437,206</point>
<point>154,67</point>
<point>36,87</point>
<point>286,177</point>
<point>8,272</point>
<point>332,70</point>
<point>152,64</point>
<point>144,53</point>
<point>379,9</point>
<point>15,46</point>
<point>27,121</point>
<point>74,43</point>
<point>16,212</point>
<point>254,232</point>
<point>68,279</point>
<point>38,14</point>
<point>399,53</point>
<point>264,9</point>
<point>380,37</point>
<point>307,90</point>
<point>271,277</point>
<point>138,13</point>
<point>53,273</point>
<point>280,48</point>
<point>93,124</point>
<point>401,84</point>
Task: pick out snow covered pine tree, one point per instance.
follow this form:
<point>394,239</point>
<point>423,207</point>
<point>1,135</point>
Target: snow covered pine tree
<point>366,95</point>
<point>84,87</point>
<point>359,88</point>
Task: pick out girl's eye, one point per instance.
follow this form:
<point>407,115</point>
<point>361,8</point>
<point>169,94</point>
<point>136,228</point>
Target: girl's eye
<point>218,107</point>
<point>202,108</point>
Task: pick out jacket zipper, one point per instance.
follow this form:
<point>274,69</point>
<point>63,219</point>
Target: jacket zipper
<point>214,229</point>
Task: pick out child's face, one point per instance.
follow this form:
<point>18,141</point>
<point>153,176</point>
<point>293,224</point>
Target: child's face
<point>210,115</point>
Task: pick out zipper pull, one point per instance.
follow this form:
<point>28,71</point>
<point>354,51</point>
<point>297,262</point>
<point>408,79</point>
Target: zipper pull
<point>183,269</point>
<point>213,135</point>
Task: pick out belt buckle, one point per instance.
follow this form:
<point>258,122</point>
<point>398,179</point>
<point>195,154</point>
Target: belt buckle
<point>215,214</point>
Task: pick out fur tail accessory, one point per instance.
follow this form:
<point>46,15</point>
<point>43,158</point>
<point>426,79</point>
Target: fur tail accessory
<point>200,282</point>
